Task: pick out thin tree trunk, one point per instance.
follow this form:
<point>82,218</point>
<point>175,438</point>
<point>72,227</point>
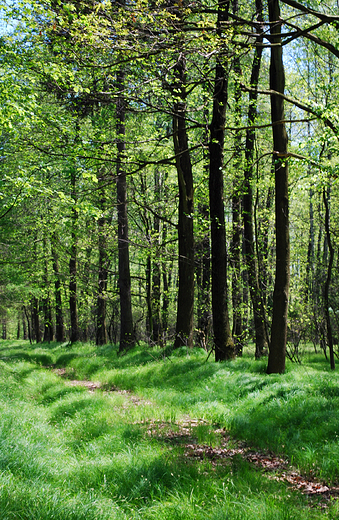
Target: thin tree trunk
<point>277,353</point>
<point>261,342</point>
<point>35,320</point>
<point>156,275</point>
<point>149,323</point>
<point>59,317</point>
<point>86,328</point>
<point>328,280</point>
<point>73,306</point>
<point>156,293</point>
<point>236,243</point>
<point>4,327</point>
<point>48,326</point>
<point>24,326</point>
<point>127,339</point>
<point>203,275</point>
<point>101,332</point>
<point>46,303</point>
<point>223,343</point>
<point>310,250</point>
<point>18,326</point>
<point>28,325</point>
<point>185,305</point>
<point>166,282</point>
<point>263,252</point>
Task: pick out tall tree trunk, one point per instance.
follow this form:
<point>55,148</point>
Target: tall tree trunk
<point>46,302</point>
<point>48,325</point>
<point>24,326</point>
<point>35,320</point>
<point>28,325</point>
<point>184,322</point>
<point>73,304</point>
<point>310,249</point>
<point>149,321</point>
<point>4,327</point>
<point>203,254</point>
<point>59,317</point>
<point>223,343</point>
<point>156,308</point>
<point>166,273</point>
<point>263,252</point>
<point>328,280</point>
<point>203,275</point>
<point>18,326</point>
<point>236,243</point>
<point>157,336</point>
<point>277,353</point>
<point>86,331</point>
<point>127,339</point>
<point>261,341</point>
<point>101,332</point>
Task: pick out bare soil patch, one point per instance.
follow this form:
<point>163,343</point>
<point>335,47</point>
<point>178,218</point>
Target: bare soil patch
<point>274,466</point>
<point>184,433</point>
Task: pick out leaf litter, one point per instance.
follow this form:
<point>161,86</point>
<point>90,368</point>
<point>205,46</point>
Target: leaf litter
<point>274,466</point>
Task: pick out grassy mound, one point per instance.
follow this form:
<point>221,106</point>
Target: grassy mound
<point>69,453</point>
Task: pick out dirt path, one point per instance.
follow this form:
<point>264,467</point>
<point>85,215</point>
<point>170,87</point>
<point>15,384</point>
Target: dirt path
<point>183,432</point>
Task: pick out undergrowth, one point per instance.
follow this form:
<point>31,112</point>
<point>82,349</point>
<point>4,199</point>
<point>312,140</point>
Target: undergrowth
<point>67,453</point>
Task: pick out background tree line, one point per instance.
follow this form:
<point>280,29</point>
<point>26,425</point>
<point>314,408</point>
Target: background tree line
<point>157,161</point>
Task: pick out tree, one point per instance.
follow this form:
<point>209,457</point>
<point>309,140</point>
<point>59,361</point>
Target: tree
<point>261,340</point>
<point>184,324</point>
<point>127,339</point>
<point>223,343</point>
<point>277,353</point>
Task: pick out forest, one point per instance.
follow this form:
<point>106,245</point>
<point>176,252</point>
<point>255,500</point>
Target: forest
<point>169,252</point>
<point>169,175</point>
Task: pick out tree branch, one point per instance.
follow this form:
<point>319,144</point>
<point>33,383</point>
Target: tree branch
<point>308,10</point>
<point>297,103</point>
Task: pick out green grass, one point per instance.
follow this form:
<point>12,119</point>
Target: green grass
<point>67,453</point>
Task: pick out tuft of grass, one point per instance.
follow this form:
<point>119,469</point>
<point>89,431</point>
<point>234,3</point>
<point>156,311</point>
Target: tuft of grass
<point>67,453</point>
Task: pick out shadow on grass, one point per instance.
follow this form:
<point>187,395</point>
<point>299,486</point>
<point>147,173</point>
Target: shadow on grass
<point>295,413</point>
<point>70,408</point>
<point>64,359</point>
<point>55,392</point>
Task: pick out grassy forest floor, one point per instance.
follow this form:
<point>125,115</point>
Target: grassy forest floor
<point>85,434</point>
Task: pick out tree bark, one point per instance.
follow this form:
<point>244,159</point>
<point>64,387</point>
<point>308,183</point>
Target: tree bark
<point>4,327</point>
<point>166,273</point>
<point>48,325</point>
<point>59,317</point>
<point>223,343</point>
<point>157,336</point>
<point>101,332</point>
<point>127,339</point>
<point>24,326</point>
<point>328,281</point>
<point>73,306</point>
<point>28,324</point>
<point>149,322</point>
<point>236,243</point>
<point>203,275</point>
<point>18,326</point>
<point>184,322</point>
<point>46,302</point>
<point>261,341</point>
<point>35,320</point>
<point>277,353</point>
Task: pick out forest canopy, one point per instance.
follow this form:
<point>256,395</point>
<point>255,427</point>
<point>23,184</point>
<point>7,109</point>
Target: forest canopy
<point>169,174</point>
